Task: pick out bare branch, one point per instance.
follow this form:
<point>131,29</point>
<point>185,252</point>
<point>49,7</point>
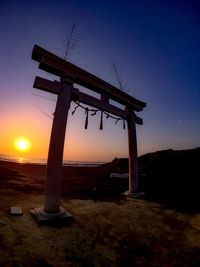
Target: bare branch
<point>116,71</point>
<point>41,96</point>
<point>70,42</point>
<point>121,81</point>
<point>70,47</point>
<point>43,112</point>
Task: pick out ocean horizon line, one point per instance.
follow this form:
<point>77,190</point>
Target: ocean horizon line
<point>41,161</point>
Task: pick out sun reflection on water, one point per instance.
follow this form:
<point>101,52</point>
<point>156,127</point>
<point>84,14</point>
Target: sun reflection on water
<point>20,160</point>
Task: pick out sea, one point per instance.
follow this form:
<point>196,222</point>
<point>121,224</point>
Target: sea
<point>44,161</point>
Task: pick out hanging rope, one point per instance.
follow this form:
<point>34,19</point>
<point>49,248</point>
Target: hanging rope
<point>86,119</point>
<point>101,122</point>
<point>75,109</point>
<point>117,120</point>
<point>124,124</point>
<point>94,112</point>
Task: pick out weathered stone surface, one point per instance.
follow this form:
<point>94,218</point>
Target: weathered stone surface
<point>16,211</point>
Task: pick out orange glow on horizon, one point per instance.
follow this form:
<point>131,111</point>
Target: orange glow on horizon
<point>80,145</point>
<point>18,126</point>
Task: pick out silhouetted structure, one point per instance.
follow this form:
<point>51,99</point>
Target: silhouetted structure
<point>69,75</point>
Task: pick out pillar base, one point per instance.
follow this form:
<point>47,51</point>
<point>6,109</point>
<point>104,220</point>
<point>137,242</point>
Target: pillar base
<point>53,219</point>
<point>134,194</point>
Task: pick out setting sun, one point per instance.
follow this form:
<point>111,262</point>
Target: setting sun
<point>22,144</point>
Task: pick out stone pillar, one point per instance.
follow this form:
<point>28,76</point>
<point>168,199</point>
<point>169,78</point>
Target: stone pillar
<point>52,211</point>
<point>133,157</point>
<point>56,147</point>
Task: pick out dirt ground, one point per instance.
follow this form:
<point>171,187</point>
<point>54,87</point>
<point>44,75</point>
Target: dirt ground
<point>108,229</point>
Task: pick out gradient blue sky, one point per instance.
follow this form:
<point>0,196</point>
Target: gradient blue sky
<point>156,46</point>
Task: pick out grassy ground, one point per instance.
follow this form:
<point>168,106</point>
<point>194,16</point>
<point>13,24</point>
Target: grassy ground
<point>105,232</point>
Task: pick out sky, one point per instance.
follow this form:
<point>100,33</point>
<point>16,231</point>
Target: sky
<point>155,46</point>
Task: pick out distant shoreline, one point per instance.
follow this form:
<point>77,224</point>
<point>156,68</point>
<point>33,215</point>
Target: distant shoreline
<point>36,161</point>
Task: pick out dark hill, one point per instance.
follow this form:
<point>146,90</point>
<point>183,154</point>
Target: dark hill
<point>170,176</point>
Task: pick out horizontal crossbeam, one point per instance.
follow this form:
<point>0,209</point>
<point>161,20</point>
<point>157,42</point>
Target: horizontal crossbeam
<point>54,87</point>
<point>47,85</point>
<point>60,67</point>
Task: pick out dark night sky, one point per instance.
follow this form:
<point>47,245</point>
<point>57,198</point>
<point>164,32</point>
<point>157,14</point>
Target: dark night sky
<point>156,46</point>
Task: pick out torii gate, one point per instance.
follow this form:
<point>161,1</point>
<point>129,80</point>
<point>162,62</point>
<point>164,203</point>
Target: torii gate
<point>70,74</point>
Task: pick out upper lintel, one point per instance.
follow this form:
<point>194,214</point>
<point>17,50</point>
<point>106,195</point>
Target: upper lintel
<point>58,66</point>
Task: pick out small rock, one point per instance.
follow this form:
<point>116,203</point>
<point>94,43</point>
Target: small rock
<point>16,211</point>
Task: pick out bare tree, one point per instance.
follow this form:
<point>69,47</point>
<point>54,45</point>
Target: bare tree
<point>71,43</point>
<point>119,77</point>
<point>70,46</point>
